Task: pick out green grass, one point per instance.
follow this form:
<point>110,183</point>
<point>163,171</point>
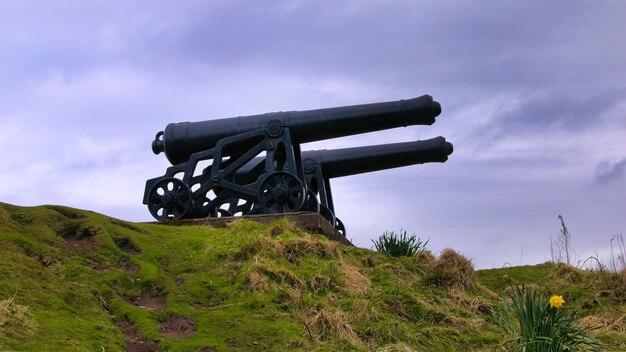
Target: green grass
<point>398,245</point>
<point>65,279</point>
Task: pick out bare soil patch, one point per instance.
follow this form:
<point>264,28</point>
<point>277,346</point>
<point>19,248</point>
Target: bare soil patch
<point>178,328</point>
<point>78,230</point>
<point>150,301</point>
<point>130,267</point>
<point>127,246</point>
<point>81,244</point>
<point>134,341</point>
<point>46,261</point>
<point>79,235</point>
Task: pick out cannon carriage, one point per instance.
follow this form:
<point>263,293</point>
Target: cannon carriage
<point>253,164</point>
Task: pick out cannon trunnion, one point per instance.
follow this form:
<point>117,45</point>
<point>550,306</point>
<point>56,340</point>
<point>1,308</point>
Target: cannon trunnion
<point>253,164</point>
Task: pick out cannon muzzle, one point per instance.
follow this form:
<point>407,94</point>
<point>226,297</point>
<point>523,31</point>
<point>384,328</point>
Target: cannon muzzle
<point>180,140</point>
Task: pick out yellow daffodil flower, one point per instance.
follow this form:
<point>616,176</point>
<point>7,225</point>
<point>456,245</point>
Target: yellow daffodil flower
<point>556,301</point>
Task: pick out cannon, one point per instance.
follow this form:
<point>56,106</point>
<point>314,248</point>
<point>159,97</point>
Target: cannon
<point>322,165</point>
<point>216,163</point>
<point>180,140</point>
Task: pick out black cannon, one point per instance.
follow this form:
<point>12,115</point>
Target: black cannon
<point>322,165</point>
<point>216,168</point>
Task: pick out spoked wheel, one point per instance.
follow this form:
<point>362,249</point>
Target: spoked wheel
<point>281,192</point>
<point>232,207</point>
<point>340,227</point>
<point>328,215</point>
<point>311,204</point>
<point>220,213</point>
<point>170,199</point>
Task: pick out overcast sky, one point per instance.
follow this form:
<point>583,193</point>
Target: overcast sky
<point>533,96</point>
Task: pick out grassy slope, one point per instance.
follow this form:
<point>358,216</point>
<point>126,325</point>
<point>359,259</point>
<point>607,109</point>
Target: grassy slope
<point>66,275</point>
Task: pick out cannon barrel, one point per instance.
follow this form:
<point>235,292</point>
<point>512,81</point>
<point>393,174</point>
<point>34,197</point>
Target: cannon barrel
<point>352,161</point>
<point>180,140</point>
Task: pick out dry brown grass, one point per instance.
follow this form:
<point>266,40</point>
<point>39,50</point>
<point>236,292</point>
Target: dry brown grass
<point>260,277</point>
<point>289,298</point>
<point>309,246</point>
<point>281,226</point>
<point>567,272</point>
<point>258,282</point>
<point>475,304</point>
<point>365,310</point>
<point>603,324</point>
<point>356,283</point>
<point>426,258</point>
<point>15,317</point>
<point>453,270</point>
<point>611,284</point>
<point>479,305</point>
<point>322,324</point>
<point>420,264</point>
<point>292,250</point>
<point>321,282</point>
<point>416,309</point>
<point>244,228</point>
<point>262,245</point>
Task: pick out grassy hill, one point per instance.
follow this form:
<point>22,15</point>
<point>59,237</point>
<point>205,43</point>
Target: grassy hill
<point>73,280</point>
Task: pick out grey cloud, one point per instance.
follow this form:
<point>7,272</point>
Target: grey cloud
<point>484,45</point>
<point>446,44</point>
<point>607,172</point>
<point>561,110</point>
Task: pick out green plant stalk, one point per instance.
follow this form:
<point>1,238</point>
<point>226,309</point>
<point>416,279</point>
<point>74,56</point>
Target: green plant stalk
<point>399,245</point>
<point>541,327</point>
